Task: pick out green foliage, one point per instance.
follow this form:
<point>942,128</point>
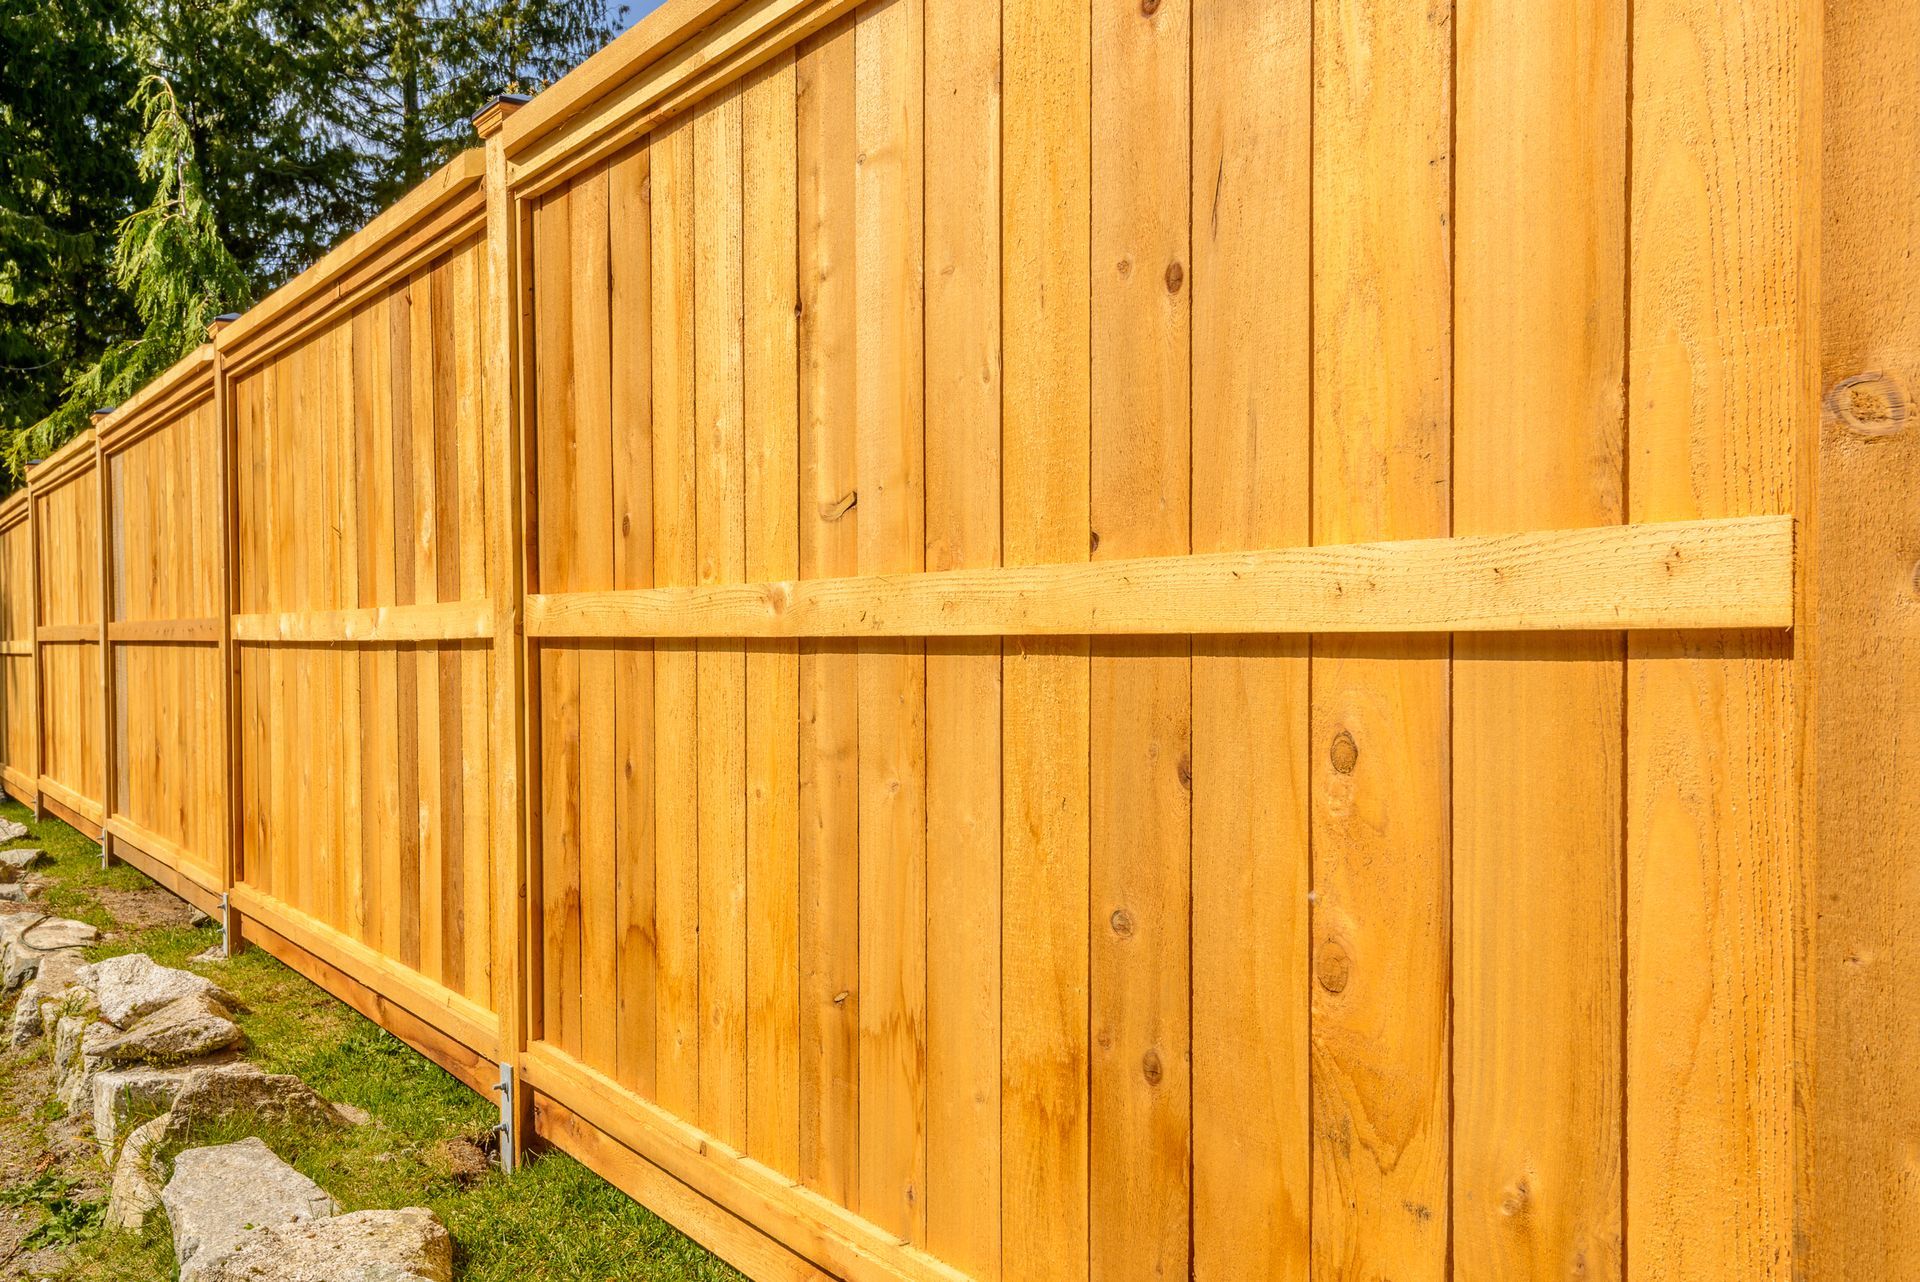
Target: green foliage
<point>162,161</point>
<point>169,259</point>
<point>65,1219</point>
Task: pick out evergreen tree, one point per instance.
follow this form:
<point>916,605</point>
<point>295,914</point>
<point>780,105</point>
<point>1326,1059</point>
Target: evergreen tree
<point>169,260</point>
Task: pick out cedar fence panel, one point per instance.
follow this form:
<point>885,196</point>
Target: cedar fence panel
<point>992,638</point>
<point>64,492</point>
<point>19,688</point>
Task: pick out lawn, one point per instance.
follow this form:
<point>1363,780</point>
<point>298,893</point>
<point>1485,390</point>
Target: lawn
<point>553,1220</point>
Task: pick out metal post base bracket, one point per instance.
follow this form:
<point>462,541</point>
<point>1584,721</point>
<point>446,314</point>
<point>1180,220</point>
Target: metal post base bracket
<point>509,1142</point>
<point>226,924</point>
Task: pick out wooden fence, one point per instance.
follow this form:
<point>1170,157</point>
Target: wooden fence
<point>1006,638</point>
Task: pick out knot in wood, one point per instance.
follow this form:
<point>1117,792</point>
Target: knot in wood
<point>1870,404</point>
<point>1334,968</point>
<point>1122,922</point>
<point>1176,276</point>
<point>1149,7</point>
<point>1150,1067</point>
<point>1344,753</point>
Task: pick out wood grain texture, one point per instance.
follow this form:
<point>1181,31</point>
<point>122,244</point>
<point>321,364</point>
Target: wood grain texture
<point>1722,381</point>
<point>1379,744</point>
<point>1861,1205</point>
<point>963,505</point>
<point>1539,332</point>
<point>1711,573</point>
<point>1252,379</point>
<point>1046,407</point>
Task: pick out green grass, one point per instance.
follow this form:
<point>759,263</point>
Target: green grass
<point>554,1220</point>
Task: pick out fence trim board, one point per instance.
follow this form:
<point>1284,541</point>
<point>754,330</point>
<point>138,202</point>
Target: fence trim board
<point>476,1069</point>
<point>727,1235</point>
<point>442,621</point>
<point>853,1248</point>
<point>241,340</point>
<point>149,853</point>
<point>742,38</point>
<point>468,1023</point>
<point>1735,573</point>
<point>173,392</point>
<point>23,787</point>
<point>75,809</point>
<point>165,631</point>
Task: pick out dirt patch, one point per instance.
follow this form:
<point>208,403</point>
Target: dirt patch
<point>42,1162</point>
<point>143,909</point>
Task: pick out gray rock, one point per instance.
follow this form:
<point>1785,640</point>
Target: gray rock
<point>217,953</point>
<point>56,973</point>
<point>220,1198</point>
<point>212,1095</point>
<point>11,831</point>
<point>185,1029</point>
<point>123,1096</point>
<point>20,893</point>
<point>25,938</point>
<point>366,1246</point>
<point>133,986</point>
<point>24,858</point>
<point>71,1018</point>
<point>136,1176</point>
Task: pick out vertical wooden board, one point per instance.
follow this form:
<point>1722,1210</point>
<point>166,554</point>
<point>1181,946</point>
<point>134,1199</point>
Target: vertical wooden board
<point>675,777</point>
<point>1140,773</point>
<point>830,517</point>
<point>1252,383</point>
<point>630,259</point>
<point>427,428</point>
<point>962,212</point>
<point>1539,333</point>
<point>347,888</point>
<point>1045,432</point>
<point>381,753</point>
<point>448,890</point>
<point>591,519</point>
<point>889,470</point>
<point>1860,838</point>
<point>770,272</point>
<point>1721,378</point>
<point>1379,722</point>
<point>477,882</point>
<point>298,662</point>
<point>720,538</point>
<point>558,1019</point>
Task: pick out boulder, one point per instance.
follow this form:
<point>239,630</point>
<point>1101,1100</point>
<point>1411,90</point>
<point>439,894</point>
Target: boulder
<point>134,986</point>
<point>24,858</point>
<point>132,1096</point>
<point>71,1018</point>
<point>20,893</point>
<point>212,1095</point>
<point>185,1029</point>
<point>25,938</point>
<point>136,1176</point>
<point>56,973</point>
<point>366,1246</point>
<point>220,1198</point>
<point>11,831</point>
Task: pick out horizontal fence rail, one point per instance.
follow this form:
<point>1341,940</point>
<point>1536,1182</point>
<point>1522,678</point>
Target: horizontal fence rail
<point>959,649</point>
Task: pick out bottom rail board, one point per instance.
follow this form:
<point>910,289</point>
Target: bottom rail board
<point>147,854</point>
<point>20,786</point>
<point>462,1020</point>
<point>805,1222</point>
<point>71,808</point>
<point>474,1068</point>
<point>719,1230</point>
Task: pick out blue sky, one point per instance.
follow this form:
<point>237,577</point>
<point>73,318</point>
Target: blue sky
<point>638,9</point>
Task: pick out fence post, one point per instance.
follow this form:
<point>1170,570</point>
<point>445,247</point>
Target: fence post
<point>230,936</point>
<point>103,513</point>
<point>500,328</point>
